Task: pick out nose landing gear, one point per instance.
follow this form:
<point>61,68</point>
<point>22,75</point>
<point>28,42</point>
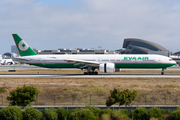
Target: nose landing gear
<point>162,73</point>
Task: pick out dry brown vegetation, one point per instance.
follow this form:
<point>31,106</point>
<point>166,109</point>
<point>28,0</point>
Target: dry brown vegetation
<point>149,89</point>
<point>94,90</point>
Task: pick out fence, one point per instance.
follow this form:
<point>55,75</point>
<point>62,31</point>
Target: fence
<point>99,99</point>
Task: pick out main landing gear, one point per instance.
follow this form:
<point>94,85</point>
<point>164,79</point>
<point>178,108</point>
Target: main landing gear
<point>90,73</point>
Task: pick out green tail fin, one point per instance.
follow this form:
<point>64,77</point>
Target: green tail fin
<point>22,46</point>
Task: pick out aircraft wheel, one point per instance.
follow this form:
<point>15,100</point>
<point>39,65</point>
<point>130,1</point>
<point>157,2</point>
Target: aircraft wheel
<point>96,73</point>
<point>85,73</point>
<point>162,73</point>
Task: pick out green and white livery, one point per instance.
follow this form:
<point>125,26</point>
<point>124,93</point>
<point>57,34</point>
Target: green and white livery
<point>22,46</point>
<point>107,63</point>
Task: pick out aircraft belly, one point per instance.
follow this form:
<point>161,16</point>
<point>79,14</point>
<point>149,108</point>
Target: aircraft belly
<point>138,65</point>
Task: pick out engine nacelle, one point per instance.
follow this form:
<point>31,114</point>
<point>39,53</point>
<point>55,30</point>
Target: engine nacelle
<point>107,67</point>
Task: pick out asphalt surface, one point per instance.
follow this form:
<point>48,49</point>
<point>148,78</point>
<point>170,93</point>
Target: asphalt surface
<point>90,76</point>
<point>23,67</point>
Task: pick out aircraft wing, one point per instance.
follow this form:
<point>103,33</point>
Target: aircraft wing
<point>21,59</point>
<point>83,63</point>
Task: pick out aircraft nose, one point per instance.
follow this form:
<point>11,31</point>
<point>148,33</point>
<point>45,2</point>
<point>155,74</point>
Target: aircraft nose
<point>174,62</point>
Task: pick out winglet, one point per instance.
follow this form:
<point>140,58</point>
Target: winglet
<point>22,46</point>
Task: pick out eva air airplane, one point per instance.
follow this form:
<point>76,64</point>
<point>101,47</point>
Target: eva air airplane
<point>105,63</point>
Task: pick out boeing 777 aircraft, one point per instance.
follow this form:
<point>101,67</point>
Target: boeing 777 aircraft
<point>107,63</point>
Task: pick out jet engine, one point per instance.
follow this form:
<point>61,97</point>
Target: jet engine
<point>107,67</point>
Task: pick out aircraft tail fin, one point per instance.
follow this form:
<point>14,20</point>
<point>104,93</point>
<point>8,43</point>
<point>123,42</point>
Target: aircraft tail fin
<point>22,47</point>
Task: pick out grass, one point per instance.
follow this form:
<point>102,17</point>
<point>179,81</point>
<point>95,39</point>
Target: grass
<point>135,85</point>
<point>170,86</point>
<point>159,86</point>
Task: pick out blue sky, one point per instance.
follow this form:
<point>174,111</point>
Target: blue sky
<point>65,2</point>
<point>46,24</point>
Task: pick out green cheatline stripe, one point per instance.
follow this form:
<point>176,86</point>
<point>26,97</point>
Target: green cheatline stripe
<point>116,65</point>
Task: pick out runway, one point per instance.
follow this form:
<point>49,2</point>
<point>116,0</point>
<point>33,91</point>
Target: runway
<point>90,76</point>
<point>24,67</point>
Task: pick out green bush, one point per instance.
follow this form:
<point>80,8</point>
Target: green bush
<point>81,114</point>
<point>175,115</point>
<point>178,108</point>
<point>62,113</point>
<point>23,96</point>
<point>32,114</point>
<point>155,113</point>
<point>69,113</point>
<point>96,111</point>
<point>105,117</point>
<point>11,113</point>
<point>140,113</point>
<point>170,111</point>
<point>50,114</point>
<point>163,111</point>
<point>121,97</point>
<point>106,111</point>
<point>120,114</point>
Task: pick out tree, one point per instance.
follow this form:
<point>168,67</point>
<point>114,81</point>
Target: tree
<point>123,97</point>
<point>23,96</point>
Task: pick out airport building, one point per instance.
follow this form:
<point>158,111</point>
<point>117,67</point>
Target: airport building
<point>139,46</point>
<point>7,55</point>
<point>77,51</point>
<point>177,53</point>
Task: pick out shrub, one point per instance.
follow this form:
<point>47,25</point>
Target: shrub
<point>120,114</point>
<point>170,111</point>
<point>81,114</point>
<point>32,114</point>
<point>178,108</point>
<point>175,115</point>
<point>163,111</point>
<point>140,113</point>
<point>11,113</point>
<point>50,114</point>
<point>62,113</point>
<point>105,117</point>
<point>122,97</point>
<point>96,111</point>
<point>106,111</point>
<point>69,113</point>
<point>155,113</point>
<point>23,96</point>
